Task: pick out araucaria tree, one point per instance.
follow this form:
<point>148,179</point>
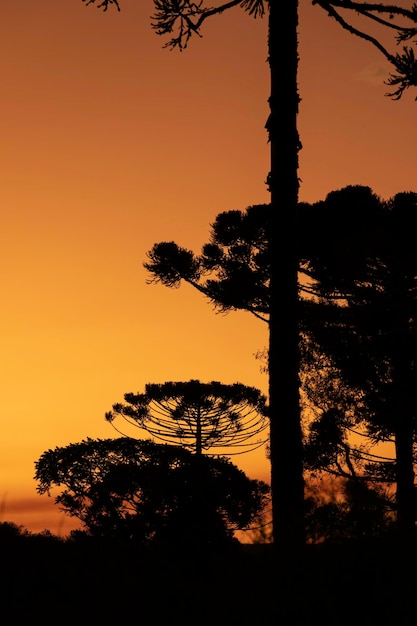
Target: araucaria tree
<point>179,20</point>
<point>367,271</point>
<point>198,416</point>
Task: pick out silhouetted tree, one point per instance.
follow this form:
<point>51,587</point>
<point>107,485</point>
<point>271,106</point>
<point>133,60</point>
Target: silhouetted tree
<point>180,19</point>
<point>138,490</point>
<point>338,448</point>
<point>336,412</point>
<point>368,270</point>
<point>232,271</point>
<point>349,510</point>
<point>198,416</point>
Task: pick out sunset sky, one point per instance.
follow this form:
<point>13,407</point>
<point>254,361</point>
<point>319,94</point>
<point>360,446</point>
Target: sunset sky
<point>111,143</point>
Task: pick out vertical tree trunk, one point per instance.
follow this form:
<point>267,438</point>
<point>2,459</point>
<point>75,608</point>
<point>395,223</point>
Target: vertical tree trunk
<point>403,392</point>
<point>200,530</point>
<point>405,493</point>
<point>286,450</point>
<point>198,435</point>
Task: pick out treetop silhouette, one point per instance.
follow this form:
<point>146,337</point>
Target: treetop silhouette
<point>199,416</point>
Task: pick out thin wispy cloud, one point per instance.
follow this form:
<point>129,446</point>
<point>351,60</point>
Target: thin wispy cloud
<point>36,514</point>
<point>374,74</point>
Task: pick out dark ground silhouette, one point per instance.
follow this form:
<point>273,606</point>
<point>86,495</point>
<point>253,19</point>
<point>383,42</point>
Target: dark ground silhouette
<point>45,580</point>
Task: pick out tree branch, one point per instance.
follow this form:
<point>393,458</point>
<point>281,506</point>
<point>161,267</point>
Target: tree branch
<point>405,62</point>
<point>104,4</point>
<point>187,17</point>
<point>364,8</point>
<point>354,31</point>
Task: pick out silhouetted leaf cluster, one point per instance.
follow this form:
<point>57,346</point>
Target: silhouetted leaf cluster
<point>186,17</point>
<point>103,4</point>
<point>151,494</point>
<point>233,269</point>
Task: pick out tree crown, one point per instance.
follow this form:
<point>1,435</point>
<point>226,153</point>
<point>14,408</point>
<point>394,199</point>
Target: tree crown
<point>199,416</point>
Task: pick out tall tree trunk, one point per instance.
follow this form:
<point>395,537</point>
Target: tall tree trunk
<point>404,402</point>
<point>286,450</point>
<point>405,493</point>
<point>198,435</point>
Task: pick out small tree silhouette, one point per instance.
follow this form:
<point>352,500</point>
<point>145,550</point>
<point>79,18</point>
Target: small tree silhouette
<point>150,493</point>
<point>199,416</point>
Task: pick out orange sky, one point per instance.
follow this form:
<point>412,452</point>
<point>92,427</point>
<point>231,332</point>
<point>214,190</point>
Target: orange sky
<point>111,143</point>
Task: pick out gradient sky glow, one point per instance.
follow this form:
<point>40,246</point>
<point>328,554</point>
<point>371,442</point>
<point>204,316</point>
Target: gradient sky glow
<point>111,143</point>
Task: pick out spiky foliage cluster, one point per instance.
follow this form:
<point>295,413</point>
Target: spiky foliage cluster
<point>185,17</point>
<point>367,271</point>
<point>199,416</point>
<point>103,4</point>
<point>233,269</point>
